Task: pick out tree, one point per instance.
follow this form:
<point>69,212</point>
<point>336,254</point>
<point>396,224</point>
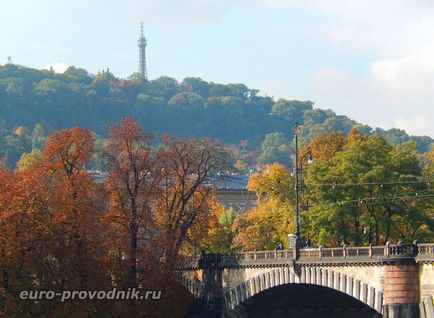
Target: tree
<point>186,196</point>
<point>274,148</point>
<point>367,193</point>
<point>318,120</point>
<point>135,173</point>
<point>64,233</point>
<point>74,197</point>
<point>268,224</point>
<point>28,159</point>
<point>38,136</point>
<point>51,213</point>
<point>428,173</point>
<point>325,145</point>
<point>78,74</point>
<point>429,162</point>
<point>196,85</point>
<point>291,111</point>
<point>158,197</point>
<point>220,236</point>
<point>68,150</point>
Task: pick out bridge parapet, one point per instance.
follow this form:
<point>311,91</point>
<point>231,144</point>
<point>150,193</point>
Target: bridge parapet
<point>425,252</point>
<point>345,254</point>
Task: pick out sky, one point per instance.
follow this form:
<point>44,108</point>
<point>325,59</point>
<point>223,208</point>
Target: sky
<point>368,59</point>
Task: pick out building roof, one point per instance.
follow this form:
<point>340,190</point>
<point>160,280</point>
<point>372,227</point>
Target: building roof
<point>229,182</point>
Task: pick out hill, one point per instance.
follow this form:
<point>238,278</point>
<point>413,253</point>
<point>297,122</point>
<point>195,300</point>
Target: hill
<point>33,103</point>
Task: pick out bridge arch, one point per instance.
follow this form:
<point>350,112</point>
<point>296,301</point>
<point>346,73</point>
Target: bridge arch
<point>306,275</point>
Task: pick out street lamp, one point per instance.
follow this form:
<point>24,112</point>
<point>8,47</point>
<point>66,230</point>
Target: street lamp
<point>298,185</point>
<point>308,158</point>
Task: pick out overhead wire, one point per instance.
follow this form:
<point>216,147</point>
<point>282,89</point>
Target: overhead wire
<point>397,195</point>
<point>415,194</point>
<point>388,200</point>
<point>370,183</point>
<point>363,200</point>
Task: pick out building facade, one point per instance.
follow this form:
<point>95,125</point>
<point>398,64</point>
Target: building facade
<point>232,192</point>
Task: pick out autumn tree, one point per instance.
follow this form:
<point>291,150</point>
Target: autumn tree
<point>159,200</point>
<point>22,222</point>
<point>268,224</point>
<point>50,213</point>
<point>429,163</point>
<point>77,205</point>
<point>134,177</point>
<point>325,145</point>
<point>428,173</point>
<point>187,198</point>
<point>28,159</point>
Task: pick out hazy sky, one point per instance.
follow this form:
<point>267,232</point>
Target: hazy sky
<point>372,60</point>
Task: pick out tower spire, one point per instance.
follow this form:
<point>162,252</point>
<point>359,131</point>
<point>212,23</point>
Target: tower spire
<point>142,54</point>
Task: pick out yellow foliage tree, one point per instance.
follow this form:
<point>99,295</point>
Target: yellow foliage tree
<point>20,131</point>
<point>28,159</point>
<point>268,224</point>
<point>429,162</point>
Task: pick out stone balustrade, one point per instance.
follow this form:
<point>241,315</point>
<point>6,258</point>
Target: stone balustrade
<point>421,252</point>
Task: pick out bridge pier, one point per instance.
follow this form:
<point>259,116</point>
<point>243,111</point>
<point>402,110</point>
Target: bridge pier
<point>401,291</point>
<point>401,283</point>
<point>212,289</point>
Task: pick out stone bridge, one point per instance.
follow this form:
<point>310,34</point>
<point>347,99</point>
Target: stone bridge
<point>393,280</point>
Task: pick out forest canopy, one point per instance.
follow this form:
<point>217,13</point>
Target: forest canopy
<point>34,103</point>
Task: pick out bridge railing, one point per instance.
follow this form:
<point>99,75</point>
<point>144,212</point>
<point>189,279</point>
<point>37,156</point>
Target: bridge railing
<point>191,260</point>
<point>389,250</point>
<point>265,255</point>
<point>425,251</point>
<point>420,251</point>
<point>379,251</point>
<point>312,253</point>
<point>332,252</point>
<point>345,252</point>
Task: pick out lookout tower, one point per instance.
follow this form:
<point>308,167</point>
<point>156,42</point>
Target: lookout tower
<point>142,54</point>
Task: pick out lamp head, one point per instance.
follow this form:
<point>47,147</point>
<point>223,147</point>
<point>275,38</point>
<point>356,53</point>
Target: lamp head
<point>310,159</point>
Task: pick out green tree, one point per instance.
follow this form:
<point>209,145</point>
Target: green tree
<point>291,111</point>
<point>196,85</point>
<point>38,136</point>
<point>275,148</point>
<point>220,238</point>
<point>368,193</point>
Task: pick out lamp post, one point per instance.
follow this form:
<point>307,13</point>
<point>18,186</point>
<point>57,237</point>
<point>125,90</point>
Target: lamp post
<point>296,132</point>
<point>298,185</point>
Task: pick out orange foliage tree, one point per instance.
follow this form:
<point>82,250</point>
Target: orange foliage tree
<point>135,173</point>
<point>62,231</point>
<point>50,216</point>
<point>187,202</point>
<point>159,200</point>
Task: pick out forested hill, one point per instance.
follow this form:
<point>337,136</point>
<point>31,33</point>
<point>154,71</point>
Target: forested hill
<point>35,102</point>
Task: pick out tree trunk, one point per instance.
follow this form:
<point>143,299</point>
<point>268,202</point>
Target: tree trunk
<point>133,247</point>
